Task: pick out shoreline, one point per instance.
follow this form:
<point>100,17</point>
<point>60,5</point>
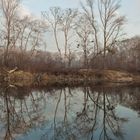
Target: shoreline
<point>81,77</point>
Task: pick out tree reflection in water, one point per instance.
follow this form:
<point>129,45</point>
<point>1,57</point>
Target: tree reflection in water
<point>98,111</point>
<point>67,113</point>
<point>19,113</point>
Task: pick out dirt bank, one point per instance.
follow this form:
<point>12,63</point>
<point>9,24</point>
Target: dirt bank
<point>83,76</point>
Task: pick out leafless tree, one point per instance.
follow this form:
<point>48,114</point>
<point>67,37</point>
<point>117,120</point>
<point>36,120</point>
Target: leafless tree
<point>71,56</point>
<point>9,14</point>
<point>85,33</point>
<point>67,24</point>
<point>54,20</point>
<point>25,34</point>
<point>107,24</point>
<point>61,21</point>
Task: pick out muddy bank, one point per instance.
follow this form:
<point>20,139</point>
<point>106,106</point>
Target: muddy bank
<point>81,77</point>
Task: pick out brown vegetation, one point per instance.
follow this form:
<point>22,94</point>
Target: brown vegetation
<point>96,40</point>
<point>81,77</point>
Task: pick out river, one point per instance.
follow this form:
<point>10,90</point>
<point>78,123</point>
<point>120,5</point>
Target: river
<point>70,113</point>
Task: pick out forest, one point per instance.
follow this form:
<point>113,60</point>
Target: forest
<point>90,37</point>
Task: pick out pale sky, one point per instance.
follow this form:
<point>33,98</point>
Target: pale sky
<point>129,8</point>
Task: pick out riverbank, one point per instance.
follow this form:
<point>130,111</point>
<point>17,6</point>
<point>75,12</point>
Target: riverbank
<point>67,78</point>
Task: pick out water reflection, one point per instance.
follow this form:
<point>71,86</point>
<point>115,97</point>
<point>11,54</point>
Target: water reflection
<point>92,113</point>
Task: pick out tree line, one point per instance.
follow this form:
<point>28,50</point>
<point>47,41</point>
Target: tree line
<point>90,37</point>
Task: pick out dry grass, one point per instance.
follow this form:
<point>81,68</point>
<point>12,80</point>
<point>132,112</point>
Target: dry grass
<point>83,76</point>
<point>21,78</point>
<point>107,75</point>
<point>117,76</point>
<point>20,75</point>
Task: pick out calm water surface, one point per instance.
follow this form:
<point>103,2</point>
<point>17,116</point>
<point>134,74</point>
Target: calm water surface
<point>83,113</point>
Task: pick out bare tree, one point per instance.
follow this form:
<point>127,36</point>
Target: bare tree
<point>85,33</point>
<point>9,11</point>
<point>54,20</point>
<point>27,36</point>
<point>71,56</point>
<point>67,24</point>
<point>107,24</point>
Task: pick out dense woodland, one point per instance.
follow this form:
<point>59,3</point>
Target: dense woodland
<point>90,37</point>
